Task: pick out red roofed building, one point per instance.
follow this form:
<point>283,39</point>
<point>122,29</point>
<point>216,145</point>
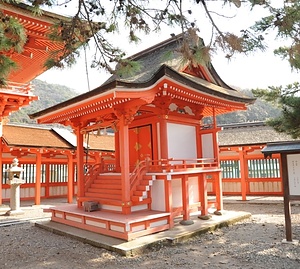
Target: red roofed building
<point>30,63</point>
<point>164,152</point>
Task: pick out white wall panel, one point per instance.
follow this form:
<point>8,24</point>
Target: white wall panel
<point>181,141</point>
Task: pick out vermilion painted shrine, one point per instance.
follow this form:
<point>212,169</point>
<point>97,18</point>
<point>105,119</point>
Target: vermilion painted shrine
<point>30,63</point>
<point>164,154</point>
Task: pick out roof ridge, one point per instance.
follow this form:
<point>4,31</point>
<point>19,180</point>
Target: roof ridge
<point>156,46</point>
<point>242,124</point>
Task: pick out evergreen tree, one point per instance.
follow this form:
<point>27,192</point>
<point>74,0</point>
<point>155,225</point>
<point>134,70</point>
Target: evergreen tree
<point>96,20</point>
<point>12,40</point>
<point>288,100</point>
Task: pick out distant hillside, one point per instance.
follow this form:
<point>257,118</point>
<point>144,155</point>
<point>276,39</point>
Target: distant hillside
<point>49,95</point>
<point>52,94</point>
<point>259,111</point>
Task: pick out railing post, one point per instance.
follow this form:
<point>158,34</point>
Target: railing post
<point>147,162</point>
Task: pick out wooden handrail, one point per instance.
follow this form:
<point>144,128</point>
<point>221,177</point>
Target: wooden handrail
<point>90,173</point>
<point>147,165</point>
<point>168,165</point>
<point>137,174</point>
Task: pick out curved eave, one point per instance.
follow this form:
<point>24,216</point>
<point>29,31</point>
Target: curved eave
<point>207,87</point>
<point>192,82</point>
<point>119,89</point>
<point>27,10</point>
<point>38,48</point>
<point>76,101</point>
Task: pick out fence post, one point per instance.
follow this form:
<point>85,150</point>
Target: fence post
<point>243,166</point>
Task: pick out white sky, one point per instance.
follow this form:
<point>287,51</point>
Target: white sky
<point>257,70</point>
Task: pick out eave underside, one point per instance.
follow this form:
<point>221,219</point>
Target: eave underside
<point>165,98</point>
<point>38,48</point>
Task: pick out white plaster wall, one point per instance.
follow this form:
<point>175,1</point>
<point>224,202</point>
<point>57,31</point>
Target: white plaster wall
<point>207,146</point>
<point>176,193</point>
<point>158,194</point>
<point>193,190</point>
<point>181,141</point>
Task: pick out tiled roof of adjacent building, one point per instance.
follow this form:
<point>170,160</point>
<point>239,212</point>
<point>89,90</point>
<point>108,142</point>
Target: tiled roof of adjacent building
<point>37,137</point>
<point>250,133</point>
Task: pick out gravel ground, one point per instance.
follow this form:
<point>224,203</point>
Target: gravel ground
<point>252,243</point>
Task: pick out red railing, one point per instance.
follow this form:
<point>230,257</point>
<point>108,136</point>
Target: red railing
<point>90,172</point>
<point>151,166</point>
<point>140,170</point>
<point>176,165</point>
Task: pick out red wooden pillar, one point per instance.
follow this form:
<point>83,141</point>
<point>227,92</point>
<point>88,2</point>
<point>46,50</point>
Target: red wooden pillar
<point>185,200</point>
<point>215,139</point>
<point>163,138</point>
<point>199,142</point>
<point>80,163</point>
<point>38,173</point>
<point>124,163</point>
<point>203,193</point>
<point>47,180</point>
<point>168,199</point>
<point>117,152</point>
<point>219,195</point>
<point>243,166</point>
<point>1,166</point>
<point>70,177</point>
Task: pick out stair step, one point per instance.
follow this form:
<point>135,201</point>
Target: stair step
<point>103,195</point>
<point>107,181</point>
<point>145,182</point>
<point>106,186</point>
<point>110,191</point>
<point>142,188</point>
<point>136,200</point>
<point>140,193</point>
<point>108,177</point>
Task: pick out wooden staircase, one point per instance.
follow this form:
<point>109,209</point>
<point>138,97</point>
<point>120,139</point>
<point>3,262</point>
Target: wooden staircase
<point>105,187</point>
<point>141,192</point>
<point>107,190</point>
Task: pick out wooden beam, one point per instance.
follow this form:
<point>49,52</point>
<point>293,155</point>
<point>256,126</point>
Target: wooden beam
<point>80,163</point>
<point>124,162</point>
<point>1,163</point>
<point>38,173</point>
<point>70,178</point>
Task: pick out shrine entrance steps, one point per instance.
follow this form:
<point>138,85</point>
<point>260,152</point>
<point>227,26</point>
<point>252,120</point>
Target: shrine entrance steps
<point>106,189</point>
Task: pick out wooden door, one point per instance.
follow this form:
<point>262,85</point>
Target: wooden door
<point>140,144</point>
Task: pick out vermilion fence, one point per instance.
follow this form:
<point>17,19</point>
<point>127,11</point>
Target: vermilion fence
<point>54,178</point>
<point>259,177</point>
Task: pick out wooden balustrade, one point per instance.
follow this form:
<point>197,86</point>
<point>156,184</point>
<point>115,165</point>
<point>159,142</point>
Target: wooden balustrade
<point>151,166</point>
<point>176,165</point>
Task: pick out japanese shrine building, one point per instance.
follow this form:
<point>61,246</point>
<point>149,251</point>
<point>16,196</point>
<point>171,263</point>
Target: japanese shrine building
<point>30,62</point>
<point>164,152</point>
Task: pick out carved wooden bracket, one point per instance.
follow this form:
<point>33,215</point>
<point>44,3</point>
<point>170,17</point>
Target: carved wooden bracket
<point>163,103</point>
<point>127,113</point>
<point>198,111</point>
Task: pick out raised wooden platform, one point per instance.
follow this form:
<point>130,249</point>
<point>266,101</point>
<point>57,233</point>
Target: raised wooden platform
<point>117,225</point>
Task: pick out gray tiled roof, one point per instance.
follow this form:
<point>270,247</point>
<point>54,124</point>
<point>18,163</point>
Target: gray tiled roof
<point>250,134</point>
<point>166,53</point>
<point>155,65</point>
<point>285,147</point>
